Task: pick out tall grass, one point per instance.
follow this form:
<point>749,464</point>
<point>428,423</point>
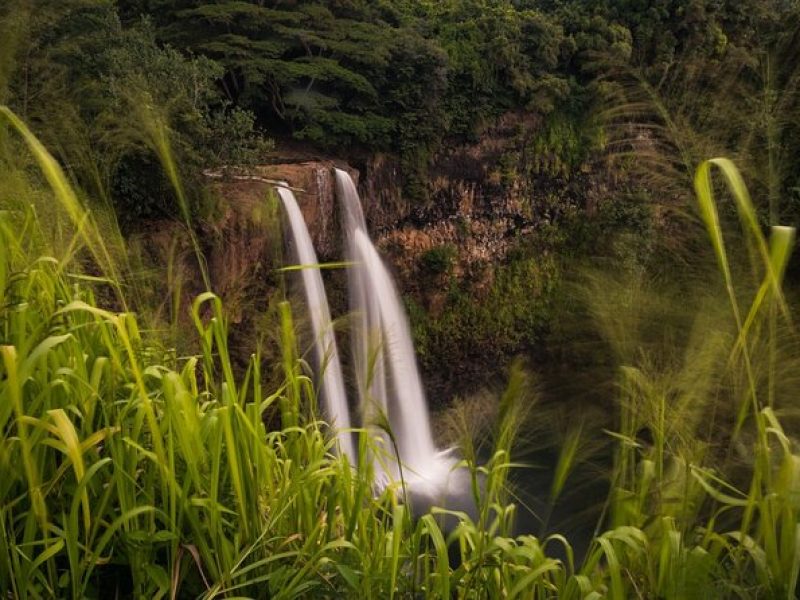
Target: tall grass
<point>125,472</point>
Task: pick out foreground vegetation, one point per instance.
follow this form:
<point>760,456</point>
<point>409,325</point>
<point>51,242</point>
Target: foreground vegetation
<point>126,470</point>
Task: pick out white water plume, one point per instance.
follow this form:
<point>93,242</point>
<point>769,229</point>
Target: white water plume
<point>389,384</point>
<point>333,396</point>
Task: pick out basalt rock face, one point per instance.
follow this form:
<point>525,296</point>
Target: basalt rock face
<point>313,184</point>
<point>239,246</point>
<point>484,199</point>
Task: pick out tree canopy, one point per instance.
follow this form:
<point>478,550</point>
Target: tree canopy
<point>397,76</point>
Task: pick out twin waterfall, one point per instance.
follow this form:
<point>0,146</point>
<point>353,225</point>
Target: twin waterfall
<point>391,398</point>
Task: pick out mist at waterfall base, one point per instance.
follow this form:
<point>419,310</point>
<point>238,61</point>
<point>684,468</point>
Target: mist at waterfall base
<point>390,394</point>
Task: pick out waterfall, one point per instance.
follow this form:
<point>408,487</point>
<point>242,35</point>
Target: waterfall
<point>365,332</point>
<point>388,383</point>
<point>332,392</point>
<point>386,368</point>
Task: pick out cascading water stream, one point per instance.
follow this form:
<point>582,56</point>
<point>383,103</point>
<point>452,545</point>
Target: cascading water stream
<point>407,408</point>
<point>386,366</point>
<point>333,395</point>
<point>365,332</point>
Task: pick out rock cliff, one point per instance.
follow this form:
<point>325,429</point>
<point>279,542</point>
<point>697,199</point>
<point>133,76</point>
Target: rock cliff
<point>475,258</point>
